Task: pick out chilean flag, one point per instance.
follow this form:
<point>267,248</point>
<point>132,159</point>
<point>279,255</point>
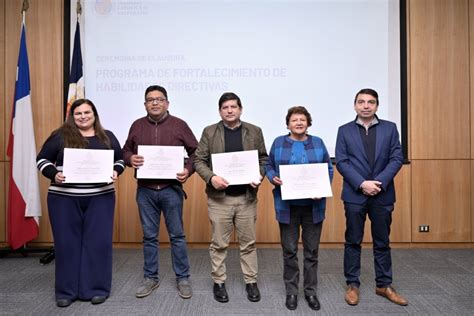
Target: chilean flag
<point>76,78</point>
<point>24,205</point>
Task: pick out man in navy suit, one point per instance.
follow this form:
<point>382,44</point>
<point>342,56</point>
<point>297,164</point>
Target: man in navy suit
<point>368,156</point>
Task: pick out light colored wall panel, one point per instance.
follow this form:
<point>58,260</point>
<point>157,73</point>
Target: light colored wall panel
<point>439,67</point>
<point>45,50</point>
<point>130,229</point>
<point>116,229</point>
<point>401,219</point>
<point>334,225</point>
<point>268,230</point>
<point>441,198</point>
<point>195,216</point>
<point>45,233</point>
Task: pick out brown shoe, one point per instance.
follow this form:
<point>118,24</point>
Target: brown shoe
<point>390,294</point>
<point>352,295</point>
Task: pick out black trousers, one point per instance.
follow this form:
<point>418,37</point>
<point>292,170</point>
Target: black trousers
<point>300,216</point>
<point>380,217</point>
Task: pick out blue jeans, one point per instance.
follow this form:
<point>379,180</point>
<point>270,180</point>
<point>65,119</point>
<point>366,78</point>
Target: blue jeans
<point>150,204</point>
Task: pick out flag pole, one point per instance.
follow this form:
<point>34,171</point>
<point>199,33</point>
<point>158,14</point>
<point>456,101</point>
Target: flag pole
<point>78,9</point>
<point>24,8</point>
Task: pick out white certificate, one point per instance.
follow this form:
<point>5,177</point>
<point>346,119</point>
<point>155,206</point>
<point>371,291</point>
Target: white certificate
<point>88,165</point>
<point>161,162</point>
<point>305,181</point>
<point>239,167</point>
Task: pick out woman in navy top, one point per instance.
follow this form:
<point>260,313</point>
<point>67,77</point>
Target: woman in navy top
<point>298,147</point>
<point>81,215</point>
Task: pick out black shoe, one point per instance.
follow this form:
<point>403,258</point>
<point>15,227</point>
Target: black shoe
<point>98,299</point>
<point>291,302</point>
<point>220,293</point>
<point>313,302</point>
<point>63,302</point>
<point>253,294</point>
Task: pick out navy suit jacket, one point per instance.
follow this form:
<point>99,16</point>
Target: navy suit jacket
<point>353,164</point>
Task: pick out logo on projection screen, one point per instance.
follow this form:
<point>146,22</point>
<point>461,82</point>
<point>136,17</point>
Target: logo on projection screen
<point>103,6</point>
<point>130,8</point>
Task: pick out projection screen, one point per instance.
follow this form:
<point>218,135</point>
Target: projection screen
<point>273,54</point>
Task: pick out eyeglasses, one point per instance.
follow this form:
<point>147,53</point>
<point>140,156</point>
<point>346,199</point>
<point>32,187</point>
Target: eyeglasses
<point>157,100</point>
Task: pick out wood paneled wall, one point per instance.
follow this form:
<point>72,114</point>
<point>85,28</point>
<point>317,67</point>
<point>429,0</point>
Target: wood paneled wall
<point>441,198</point>
<point>440,119</point>
<point>471,63</point>
<point>44,34</point>
<point>471,73</point>
<point>435,189</point>
<point>3,126</point>
<point>439,63</point>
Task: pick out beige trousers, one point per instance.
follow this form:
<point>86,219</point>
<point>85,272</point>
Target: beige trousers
<point>224,214</point>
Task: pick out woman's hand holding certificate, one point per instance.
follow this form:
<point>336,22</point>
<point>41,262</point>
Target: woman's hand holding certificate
<point>88,165</point>
<point>305,181</point>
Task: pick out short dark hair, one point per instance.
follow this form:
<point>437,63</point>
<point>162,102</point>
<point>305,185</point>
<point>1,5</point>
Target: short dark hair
<point>229,96</point>
<point>368,91</point>
<point>298,110</point>
<point>156,88</point>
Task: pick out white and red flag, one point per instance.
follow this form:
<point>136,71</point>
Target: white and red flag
<point>24,205</point>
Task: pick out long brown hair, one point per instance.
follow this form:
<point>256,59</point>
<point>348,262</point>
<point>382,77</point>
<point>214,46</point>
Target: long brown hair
<point>71,135</point>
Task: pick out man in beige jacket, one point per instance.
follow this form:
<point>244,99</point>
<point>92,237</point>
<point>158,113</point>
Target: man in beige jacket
<point>231,205</point>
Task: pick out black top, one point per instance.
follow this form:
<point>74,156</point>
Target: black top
<point>369,137</point>
<point>232,143</point>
